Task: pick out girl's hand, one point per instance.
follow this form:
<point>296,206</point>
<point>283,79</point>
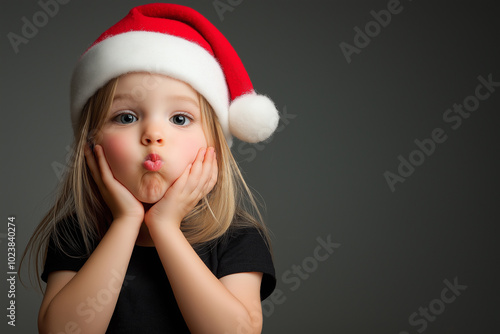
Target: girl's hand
<point>195,182</point>
<point>118,198</point>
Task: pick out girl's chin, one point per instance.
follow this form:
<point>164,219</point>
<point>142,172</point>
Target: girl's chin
<point>149,203</point>
<point>150,199</point>
<point>151,195</point>
<point>151,190</point>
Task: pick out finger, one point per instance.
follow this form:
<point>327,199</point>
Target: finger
<point>185,176</point>
<point>215,172</point>
<point>202,186</point>
<point>197,165</point>
<point>200,157</point>
<point>213,175</point>
<point>92,163</point>
<point>180,182</point>
<point>203,170</point>
<point>106,174</point>
<point>194,184</point>
<point>207,168</point>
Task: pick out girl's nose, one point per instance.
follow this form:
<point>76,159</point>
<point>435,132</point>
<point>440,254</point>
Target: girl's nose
<point>152,135</point>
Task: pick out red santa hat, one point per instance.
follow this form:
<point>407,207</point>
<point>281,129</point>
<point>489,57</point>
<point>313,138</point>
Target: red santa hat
<point>179,42</point>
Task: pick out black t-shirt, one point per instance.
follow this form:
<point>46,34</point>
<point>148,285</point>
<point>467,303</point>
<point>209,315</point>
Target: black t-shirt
<point>146,303</point>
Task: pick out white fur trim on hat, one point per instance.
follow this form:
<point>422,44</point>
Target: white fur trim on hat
<point>253,118</point>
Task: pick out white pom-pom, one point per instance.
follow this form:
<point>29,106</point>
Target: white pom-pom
<point>253,118</point>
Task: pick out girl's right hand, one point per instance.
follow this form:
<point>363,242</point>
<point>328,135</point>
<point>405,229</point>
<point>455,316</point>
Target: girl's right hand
<point>122,203</point>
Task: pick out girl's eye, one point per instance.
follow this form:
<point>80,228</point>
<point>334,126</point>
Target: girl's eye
<point>180,119</point>
<point>125,119</point>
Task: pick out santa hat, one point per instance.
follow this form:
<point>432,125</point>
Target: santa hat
<point>179,42</point>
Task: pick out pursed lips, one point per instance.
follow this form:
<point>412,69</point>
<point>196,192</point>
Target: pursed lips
<point>153,162</point>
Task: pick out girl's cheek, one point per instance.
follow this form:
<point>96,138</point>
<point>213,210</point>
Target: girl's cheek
<point>116,151</point>
<point>191,148</point>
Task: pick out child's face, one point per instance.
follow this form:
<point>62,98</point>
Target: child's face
<point>152,132</point>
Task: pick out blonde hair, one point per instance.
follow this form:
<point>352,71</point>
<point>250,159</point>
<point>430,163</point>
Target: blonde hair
<point>229,204</point>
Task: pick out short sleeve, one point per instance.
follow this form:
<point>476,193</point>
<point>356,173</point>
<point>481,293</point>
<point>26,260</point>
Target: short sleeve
<point>244,250</point>
<point>66,258</point>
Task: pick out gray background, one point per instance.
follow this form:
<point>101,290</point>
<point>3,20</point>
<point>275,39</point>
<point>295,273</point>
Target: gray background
<point>322,174</point>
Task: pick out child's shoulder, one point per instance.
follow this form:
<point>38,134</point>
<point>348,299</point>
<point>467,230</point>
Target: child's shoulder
<point>245,249</point>
<point>66,248</point>
<point>244,232</point>
<point>67,236</point>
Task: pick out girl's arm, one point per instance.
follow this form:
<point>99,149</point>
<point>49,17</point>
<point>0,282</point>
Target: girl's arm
<point>86,300</point>
<point>208,305</point>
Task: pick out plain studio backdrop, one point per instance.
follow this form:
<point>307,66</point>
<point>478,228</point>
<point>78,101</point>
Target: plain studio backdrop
<point>381,184</point>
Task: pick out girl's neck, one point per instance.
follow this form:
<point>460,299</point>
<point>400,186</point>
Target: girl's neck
<point>144,238</point>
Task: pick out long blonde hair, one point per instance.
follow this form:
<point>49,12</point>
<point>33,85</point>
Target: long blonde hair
<point>230,203</point>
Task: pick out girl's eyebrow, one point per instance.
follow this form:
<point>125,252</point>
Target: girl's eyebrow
<point>176,97</point>
<point>122,96</point>
<point>127,96</point>
<point>184,98</point>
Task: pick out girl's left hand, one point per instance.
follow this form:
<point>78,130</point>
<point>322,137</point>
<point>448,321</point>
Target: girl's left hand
<point>197,180</point>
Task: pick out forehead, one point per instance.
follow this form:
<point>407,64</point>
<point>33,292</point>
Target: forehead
<point>139,85</point>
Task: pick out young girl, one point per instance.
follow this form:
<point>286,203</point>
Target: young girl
<point>154,229</point>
